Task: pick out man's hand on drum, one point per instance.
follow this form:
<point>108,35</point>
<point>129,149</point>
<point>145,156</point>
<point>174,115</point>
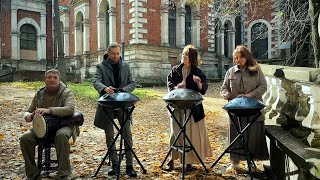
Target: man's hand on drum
<point>28,117</point>
<point>42,111</point>
<point>109,90</point>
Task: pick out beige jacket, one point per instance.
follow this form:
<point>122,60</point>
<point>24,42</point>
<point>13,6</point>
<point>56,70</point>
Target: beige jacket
<point>238,82</point>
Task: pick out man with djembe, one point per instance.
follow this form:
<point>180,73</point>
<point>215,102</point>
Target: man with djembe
<point>53,99</point>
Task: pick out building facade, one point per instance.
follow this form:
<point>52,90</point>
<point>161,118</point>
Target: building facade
<point>155,33</point>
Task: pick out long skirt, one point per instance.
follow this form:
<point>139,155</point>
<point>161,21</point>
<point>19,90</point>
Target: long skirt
<point>196,132</point>
<point>254,136</point>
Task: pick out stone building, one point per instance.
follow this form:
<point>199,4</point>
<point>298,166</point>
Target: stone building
<point>155,33</point>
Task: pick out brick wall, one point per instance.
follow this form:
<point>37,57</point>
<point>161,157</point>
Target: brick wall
<point>6,30</point>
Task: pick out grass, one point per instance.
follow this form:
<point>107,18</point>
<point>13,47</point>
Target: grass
<point>82,90</point>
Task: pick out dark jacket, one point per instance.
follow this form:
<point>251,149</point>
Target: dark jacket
<point>175,77</point>
<point>104,77</point>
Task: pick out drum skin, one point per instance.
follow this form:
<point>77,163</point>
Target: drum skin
<point>45,126</point>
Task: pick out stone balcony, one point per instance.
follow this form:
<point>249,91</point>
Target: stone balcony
<point>292,102</point>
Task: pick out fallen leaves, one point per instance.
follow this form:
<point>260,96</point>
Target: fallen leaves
<point>150,128</point>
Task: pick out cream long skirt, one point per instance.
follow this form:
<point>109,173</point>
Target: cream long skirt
<point>197,133</point>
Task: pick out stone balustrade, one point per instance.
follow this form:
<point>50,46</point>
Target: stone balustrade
<point>293,99</point>
<point>292,102</point>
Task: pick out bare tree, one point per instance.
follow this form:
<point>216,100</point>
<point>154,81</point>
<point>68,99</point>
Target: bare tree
<point>61,60</point>
<point>314,11</point>
<point>296,21</point>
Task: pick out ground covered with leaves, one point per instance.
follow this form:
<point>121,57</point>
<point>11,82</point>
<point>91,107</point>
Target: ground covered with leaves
<point>150,130</point>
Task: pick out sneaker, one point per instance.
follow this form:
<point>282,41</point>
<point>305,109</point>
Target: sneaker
<point>130,171</point>
<point>35,176</point>
<point>189,168</point>
<point>233,167</point>
<point>113,170</point>
<point>253,168</point>
<point>62,177</point>
<point>169,166</point>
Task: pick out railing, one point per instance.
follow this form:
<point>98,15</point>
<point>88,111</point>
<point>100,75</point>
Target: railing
<point>293,98</point>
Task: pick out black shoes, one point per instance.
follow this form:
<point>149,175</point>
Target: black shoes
<point>169,166</point>
<point>113,170</point>
<point>130,171</point>
<point>189,168</point>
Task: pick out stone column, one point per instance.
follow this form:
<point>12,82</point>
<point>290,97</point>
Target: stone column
<point>196,29</point>
<point>164,25</point>
<point>112,24</point>
<point>312,121</point>
<point>222,41</point>
<point>274,98</point>
<point>43,42</point>
<point>77,38</point>
<point>232,42</point>
<point>101,31</point>
<point>86,36</point>
<point>66,41</point>
<point>181,27</point>
<point>303,105</point>
<point>15,46</point>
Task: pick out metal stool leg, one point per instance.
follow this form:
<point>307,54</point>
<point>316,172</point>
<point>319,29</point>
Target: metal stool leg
<point>185,148</point>
<point>122,140</point>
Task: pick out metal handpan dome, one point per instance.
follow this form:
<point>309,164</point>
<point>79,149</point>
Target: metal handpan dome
<point>118,100</point>
<point>183,98</point>
<point>243,106</point>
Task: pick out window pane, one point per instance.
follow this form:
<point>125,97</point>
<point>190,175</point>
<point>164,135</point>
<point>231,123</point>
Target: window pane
<point>24,36</point>
<point>32,37</point>
<point>23,44</point>
<point>31,45</point>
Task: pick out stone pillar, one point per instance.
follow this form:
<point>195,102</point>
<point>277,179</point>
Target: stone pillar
<point>196,29</point>
<point>15,46</point>
<point>77,38</point>
<point>86,36</point>
<point>164,25</point>
<point>181,27</point>
<point>303,106</point>
<point>66,41</point>
<point>232,42</point>
<point>222,42</point>
<point>101,31</point>
<point>312,121</point>
<point>112,24</point>
<point>274,98</point>
<point>290,106</point>
<point>43,41</point>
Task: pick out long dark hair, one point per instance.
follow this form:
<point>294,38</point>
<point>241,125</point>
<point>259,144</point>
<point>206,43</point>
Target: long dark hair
<point>193,54</point>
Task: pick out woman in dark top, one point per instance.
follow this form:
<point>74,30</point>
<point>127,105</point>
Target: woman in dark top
<point>188,75</point>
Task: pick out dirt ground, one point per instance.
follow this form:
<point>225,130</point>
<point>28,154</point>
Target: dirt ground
<point>150,136</point>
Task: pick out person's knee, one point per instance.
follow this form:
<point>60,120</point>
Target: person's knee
<point>61,137</point>
<point>24,139</point>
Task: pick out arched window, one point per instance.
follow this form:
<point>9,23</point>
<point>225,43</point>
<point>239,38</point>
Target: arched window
<point>172,26</point>
<point>188,25</point>
<point>259,39</point>
<point>28,37</point>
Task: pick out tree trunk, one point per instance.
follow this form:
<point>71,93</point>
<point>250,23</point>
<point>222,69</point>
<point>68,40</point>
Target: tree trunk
<point>314,9</point>
<point>61,60</point>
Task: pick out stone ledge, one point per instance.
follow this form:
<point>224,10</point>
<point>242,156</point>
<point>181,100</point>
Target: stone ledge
<point>303,156</point>
<point>292,73</point>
